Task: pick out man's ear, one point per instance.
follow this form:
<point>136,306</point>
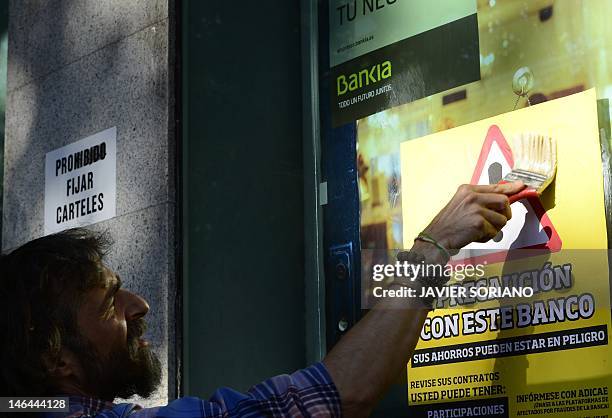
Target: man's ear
<point>64,365</point>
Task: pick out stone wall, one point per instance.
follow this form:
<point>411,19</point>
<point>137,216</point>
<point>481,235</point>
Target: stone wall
<point>77,67</point>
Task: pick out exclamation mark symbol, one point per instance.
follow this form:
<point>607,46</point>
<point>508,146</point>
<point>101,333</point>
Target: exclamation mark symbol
<point>495,176</point>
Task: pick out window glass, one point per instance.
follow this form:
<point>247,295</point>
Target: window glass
<point>566,45</point>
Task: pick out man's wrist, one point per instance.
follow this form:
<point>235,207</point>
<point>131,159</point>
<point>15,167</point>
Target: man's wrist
<point>430,252</point>
<point>440,237</point>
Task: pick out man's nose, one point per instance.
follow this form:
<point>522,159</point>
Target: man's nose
<point>135,306</point>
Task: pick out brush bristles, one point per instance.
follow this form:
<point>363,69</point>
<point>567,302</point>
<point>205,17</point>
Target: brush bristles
<point>536,154</point>
<point>535,161</point>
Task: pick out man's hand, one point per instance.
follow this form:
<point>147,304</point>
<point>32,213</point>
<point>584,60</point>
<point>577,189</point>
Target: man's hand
<point>367,360</point>
<point>475,213</point>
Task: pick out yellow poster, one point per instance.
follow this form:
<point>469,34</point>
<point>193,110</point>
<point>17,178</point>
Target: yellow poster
<point>545,353</point>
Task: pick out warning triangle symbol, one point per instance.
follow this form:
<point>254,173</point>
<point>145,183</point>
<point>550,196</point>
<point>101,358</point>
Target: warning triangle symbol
<point>529,228</point>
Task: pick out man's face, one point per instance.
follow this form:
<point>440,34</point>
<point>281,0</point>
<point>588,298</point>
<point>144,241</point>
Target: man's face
<point>116,360</point>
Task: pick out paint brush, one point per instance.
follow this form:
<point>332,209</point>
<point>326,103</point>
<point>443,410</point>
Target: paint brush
<point>535,164</point>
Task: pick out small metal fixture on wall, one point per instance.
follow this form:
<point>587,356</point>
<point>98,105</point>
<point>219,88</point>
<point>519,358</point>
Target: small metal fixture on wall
<point>522,83</point>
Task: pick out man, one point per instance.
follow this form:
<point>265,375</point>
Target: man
<point>70,329</point>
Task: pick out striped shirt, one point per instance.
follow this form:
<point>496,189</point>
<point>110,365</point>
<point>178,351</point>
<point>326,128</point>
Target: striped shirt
<point>306,393</point>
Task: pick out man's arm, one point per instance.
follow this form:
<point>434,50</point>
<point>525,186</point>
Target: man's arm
<point>371,355</point>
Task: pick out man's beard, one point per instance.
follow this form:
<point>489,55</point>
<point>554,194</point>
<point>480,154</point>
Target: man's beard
<point>126,371</point>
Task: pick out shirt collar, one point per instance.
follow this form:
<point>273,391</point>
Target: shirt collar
<point>91,406</point>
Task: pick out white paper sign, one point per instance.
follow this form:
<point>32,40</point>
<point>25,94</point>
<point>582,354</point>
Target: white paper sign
<point>81,182</point>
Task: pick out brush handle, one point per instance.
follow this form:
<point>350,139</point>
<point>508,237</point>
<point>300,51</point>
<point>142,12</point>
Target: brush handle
<point>523,194</point>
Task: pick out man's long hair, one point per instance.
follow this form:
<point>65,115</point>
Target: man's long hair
<point>41,286</point>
